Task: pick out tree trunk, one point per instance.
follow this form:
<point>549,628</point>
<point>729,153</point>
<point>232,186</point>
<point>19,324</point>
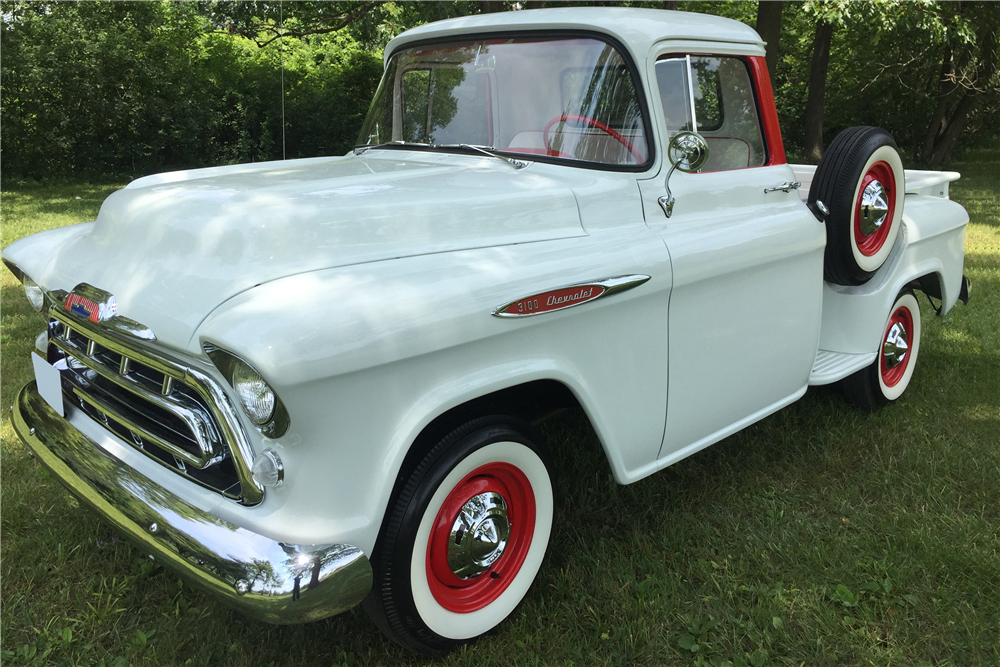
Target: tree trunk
<point>769,29</point>
<point>813,119</point>
<point>939,121</point>
<point>670,4</point>
<point>946,142</point>
<point>945,128</point>
<point>491,6</point>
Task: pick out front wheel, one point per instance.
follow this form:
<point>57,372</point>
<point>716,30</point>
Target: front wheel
<point>889,375</point>
<point>465,537</point>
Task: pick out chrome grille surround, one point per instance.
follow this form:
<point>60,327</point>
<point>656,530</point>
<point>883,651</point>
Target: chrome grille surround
<point>134,390</point>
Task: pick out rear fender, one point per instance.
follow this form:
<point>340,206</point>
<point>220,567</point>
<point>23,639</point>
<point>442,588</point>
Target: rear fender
<point>930,247</point>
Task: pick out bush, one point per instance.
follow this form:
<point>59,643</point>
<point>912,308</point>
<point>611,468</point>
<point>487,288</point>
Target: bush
<point>133,88</point>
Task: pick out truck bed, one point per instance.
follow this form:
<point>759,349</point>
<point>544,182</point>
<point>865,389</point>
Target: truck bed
<point>918,182</point>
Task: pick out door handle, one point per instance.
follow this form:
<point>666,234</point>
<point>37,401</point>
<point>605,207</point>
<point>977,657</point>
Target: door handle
<point>784,187</point>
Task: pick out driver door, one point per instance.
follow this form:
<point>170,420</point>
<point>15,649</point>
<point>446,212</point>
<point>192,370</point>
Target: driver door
<point>745,309</point>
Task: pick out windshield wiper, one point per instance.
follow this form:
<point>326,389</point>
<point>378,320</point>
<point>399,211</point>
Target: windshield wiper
<point>362,148</point>
<point>486,150</point>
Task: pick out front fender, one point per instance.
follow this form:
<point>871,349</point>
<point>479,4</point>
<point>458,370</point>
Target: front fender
<point>364,357</point>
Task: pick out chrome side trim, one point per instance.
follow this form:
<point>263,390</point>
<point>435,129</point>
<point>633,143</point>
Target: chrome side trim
<point>265,579</point>
<point>608,286</point>
<point>214,396</point>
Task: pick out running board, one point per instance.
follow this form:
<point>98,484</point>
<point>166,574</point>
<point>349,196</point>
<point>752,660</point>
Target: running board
<point>832,366</point>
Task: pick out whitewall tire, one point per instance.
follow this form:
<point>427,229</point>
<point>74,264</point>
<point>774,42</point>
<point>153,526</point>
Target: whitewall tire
<point>464,537</point>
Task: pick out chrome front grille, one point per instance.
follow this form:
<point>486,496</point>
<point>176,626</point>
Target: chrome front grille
<point>169,411</point>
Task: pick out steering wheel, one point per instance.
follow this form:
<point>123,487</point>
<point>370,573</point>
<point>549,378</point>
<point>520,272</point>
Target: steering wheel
<point>639,158</point>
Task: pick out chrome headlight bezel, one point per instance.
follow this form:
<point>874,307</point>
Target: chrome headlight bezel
<point>270,417</point>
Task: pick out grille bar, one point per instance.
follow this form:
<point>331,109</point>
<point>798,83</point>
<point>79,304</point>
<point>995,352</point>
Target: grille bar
<point>209,451</point>
<point>106,409</point>
<point>131,388</point>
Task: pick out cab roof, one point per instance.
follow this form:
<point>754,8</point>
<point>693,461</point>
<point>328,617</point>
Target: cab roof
<point>637,29</point>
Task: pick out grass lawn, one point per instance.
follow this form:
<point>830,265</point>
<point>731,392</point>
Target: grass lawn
<point>820,536</point>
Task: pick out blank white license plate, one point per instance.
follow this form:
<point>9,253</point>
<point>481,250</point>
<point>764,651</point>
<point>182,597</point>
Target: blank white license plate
<point>49,384</point>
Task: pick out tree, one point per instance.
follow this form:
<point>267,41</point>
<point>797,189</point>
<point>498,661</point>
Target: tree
<point>265,22</point>
<point>769,28</point>
<point>968,78</point>
<point>813,117</point>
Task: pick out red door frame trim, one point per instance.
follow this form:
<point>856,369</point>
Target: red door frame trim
<point>768,111</point>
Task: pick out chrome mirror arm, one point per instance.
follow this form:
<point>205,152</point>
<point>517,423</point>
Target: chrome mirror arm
<point>688,152</point>
<point>666,202</point>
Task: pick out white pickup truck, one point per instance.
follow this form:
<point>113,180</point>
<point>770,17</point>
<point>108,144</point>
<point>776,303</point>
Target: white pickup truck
<point>309,384</point>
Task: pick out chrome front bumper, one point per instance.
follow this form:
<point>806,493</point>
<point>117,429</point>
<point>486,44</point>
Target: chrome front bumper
<point>267,580</point>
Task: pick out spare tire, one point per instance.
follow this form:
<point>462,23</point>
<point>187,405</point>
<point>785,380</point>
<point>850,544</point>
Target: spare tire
<point>860,179</point>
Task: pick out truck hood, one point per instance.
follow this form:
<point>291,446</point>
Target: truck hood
<point>172,247</point>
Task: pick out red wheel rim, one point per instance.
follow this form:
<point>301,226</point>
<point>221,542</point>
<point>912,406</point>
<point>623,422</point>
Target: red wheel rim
<point>468,595</point>
<point>902,318</point>
<point>870,244</point>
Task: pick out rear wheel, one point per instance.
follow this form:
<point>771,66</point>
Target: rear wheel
<point>889,375</point>
<point>465,537</point>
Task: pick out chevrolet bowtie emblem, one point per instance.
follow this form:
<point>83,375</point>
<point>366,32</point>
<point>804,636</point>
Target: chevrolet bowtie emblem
<point>90,303</point>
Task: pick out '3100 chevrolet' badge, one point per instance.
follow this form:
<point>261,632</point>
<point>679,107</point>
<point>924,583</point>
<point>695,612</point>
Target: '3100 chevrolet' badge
<point>568,296</point>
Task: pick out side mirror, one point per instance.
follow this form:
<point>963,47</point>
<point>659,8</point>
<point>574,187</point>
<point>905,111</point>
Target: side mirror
<point>687,151</point>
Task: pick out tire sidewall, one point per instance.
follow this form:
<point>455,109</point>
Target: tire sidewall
<point>463,626</point>
<point>909,301</point>
<point>871,263</point>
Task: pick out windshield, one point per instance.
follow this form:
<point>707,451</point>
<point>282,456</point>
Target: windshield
<point>571,98</point>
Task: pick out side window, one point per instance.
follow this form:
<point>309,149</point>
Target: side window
<point>725,108</point>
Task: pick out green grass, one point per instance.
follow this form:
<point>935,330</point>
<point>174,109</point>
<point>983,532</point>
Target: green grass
<point>820,536</point>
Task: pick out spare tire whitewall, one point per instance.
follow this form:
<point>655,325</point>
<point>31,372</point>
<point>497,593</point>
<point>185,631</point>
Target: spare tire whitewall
<point>878,209</point>
<point>861,181</point>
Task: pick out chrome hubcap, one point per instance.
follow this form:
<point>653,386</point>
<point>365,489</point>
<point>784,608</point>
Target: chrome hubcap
<point>895,347</point>
<point>479,535</point>
<point>874,207</point>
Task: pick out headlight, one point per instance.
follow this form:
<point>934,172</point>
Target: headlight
<point>257,398</point>
<point>34,293</point>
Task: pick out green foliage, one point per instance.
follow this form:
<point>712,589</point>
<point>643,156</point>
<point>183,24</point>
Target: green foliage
<point>133,88</point>
<point>136,87</point>
<point>886,67</point>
